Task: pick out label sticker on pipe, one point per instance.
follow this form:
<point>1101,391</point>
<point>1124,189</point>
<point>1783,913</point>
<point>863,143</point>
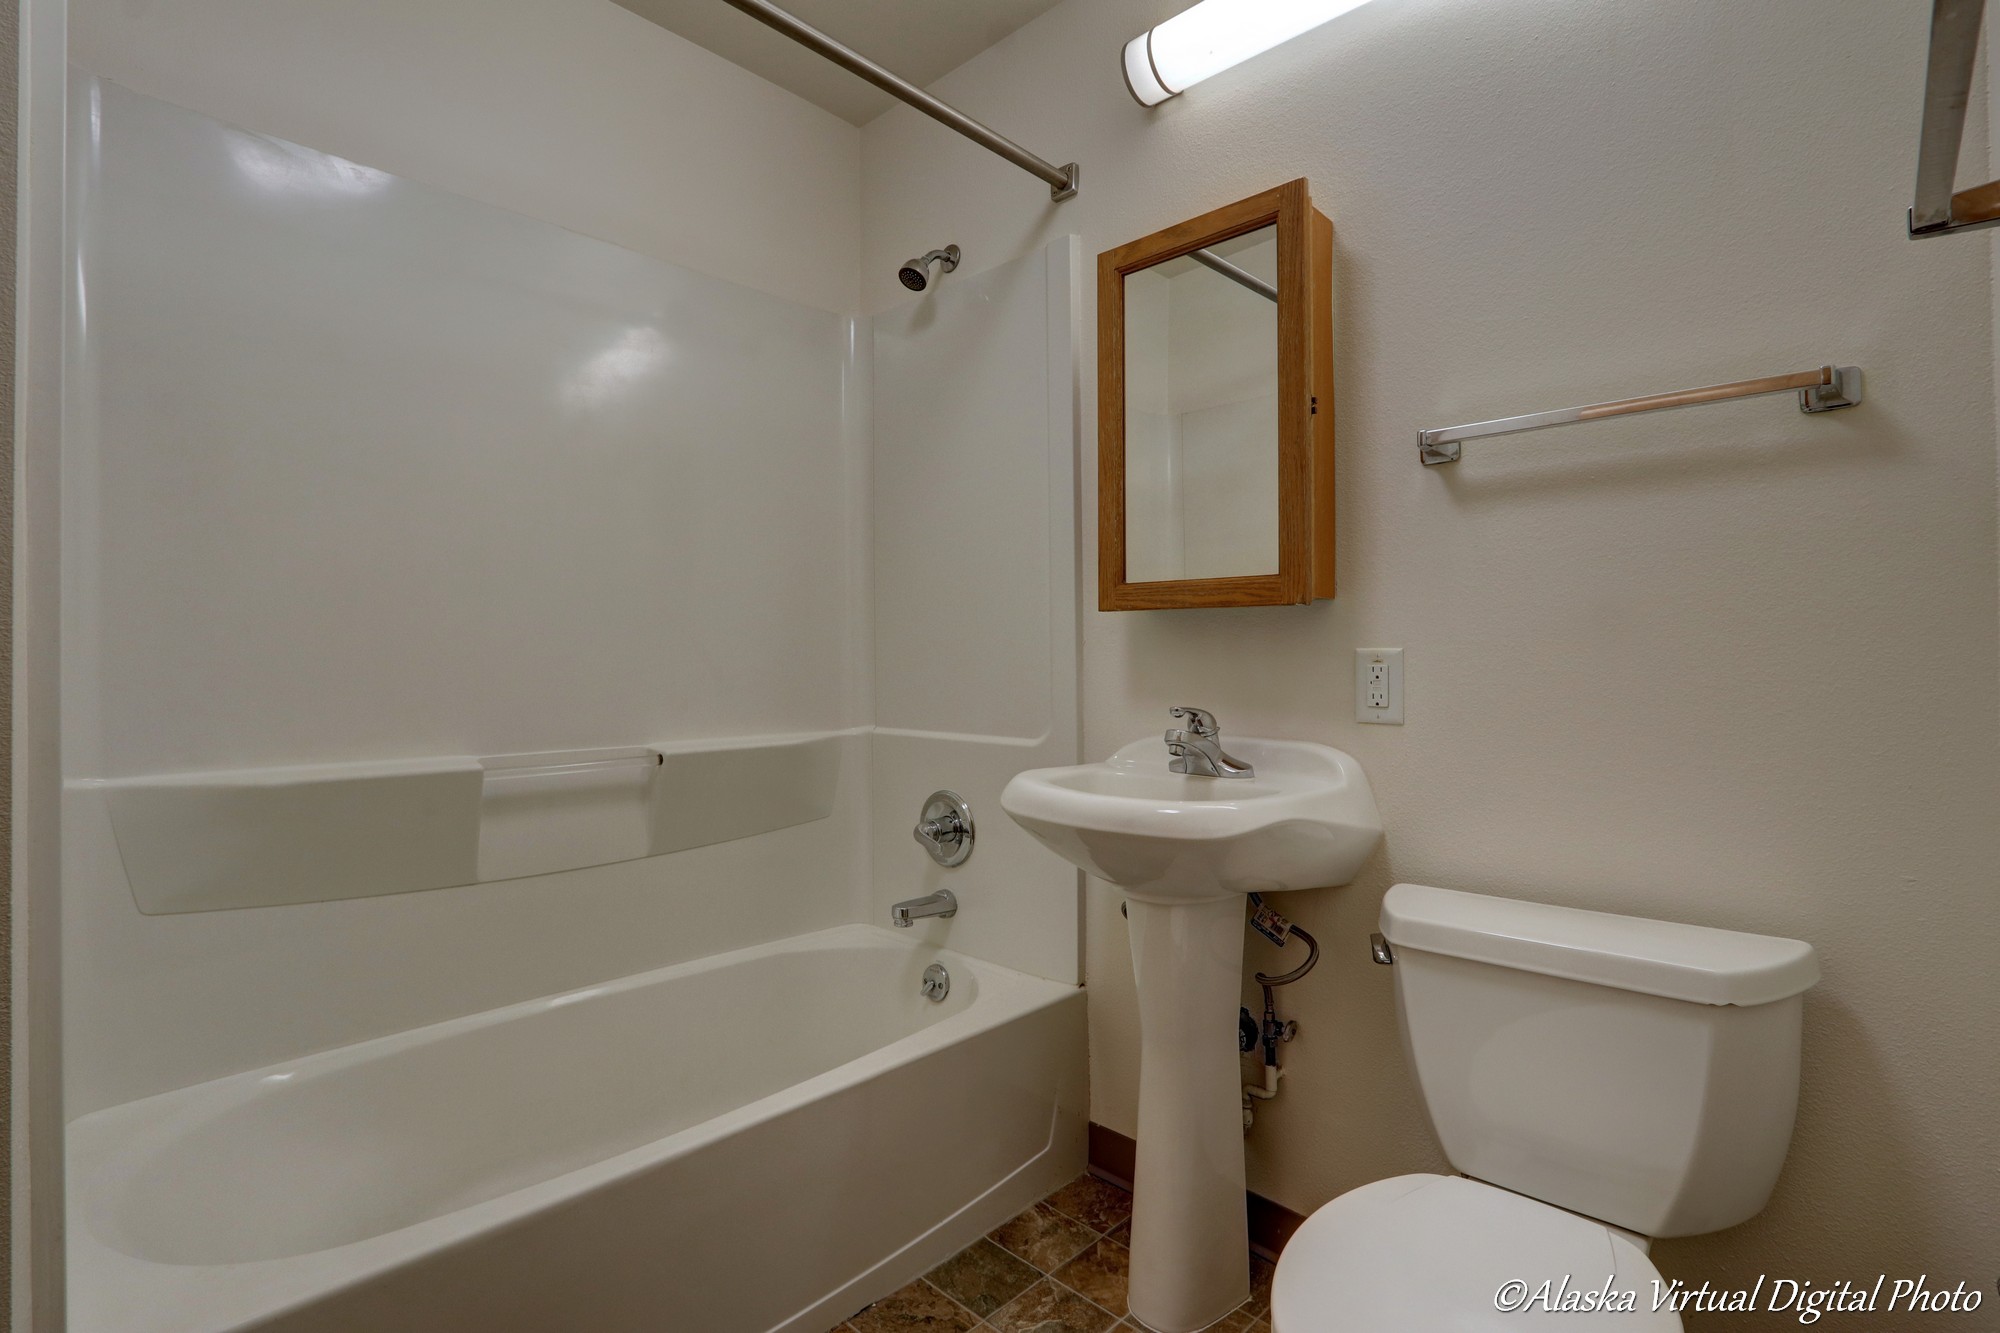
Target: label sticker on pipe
<point>1268,923</point>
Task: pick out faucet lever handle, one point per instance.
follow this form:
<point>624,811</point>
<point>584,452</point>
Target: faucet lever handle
<point>944,828</point>
<point>1200,721</point>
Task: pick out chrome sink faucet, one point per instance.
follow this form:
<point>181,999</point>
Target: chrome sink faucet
<point>1197,748</point>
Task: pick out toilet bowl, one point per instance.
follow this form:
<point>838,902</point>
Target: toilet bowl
<point>1598,1079</point>
<point>1444,1254</point>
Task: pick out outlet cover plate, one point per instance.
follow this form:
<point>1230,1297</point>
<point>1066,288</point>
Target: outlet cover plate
<point>1378,685</point>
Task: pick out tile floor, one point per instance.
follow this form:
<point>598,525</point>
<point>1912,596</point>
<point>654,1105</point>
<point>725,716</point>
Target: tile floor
<point>1060,1267</point>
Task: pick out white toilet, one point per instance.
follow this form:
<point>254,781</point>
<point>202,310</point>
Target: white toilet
<point>1598,1079</point>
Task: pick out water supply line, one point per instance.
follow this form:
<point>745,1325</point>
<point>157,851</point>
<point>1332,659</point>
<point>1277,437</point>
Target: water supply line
<point>1251,1035</point>
<point>1271,1032</point>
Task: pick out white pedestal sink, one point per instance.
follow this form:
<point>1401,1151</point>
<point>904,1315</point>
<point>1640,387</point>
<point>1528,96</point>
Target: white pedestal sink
<point>1186,850</point>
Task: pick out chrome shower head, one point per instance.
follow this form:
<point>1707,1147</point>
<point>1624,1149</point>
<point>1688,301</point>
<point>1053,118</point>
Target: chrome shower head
<point>915,273</point>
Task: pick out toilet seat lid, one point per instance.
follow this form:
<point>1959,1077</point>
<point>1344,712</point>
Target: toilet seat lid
<point>1433,1252</point>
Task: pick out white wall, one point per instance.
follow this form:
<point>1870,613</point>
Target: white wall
<point>1649,661</point>
<point>488,574</point>
<point>575,111</point>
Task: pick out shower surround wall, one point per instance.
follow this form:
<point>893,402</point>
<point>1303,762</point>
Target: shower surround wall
<point>363,471</point>
<point>974,538</point>
<point>573,111</point>
<point>366,475</point>
<point>390,459</point>
<point>1731,666</point>
<point>579,114</point>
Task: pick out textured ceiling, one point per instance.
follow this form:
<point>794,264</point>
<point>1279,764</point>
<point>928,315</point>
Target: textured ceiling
<point>918,39</point>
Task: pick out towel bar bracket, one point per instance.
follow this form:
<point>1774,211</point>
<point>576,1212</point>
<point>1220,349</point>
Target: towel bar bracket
<point>1845,391</point>
<point>1918,233</point>
<point>1433,454</point>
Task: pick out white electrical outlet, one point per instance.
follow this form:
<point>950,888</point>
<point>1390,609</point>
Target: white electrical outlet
<point>1378,685</point>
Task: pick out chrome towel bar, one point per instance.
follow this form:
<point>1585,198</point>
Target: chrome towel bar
<point>1827,389</point>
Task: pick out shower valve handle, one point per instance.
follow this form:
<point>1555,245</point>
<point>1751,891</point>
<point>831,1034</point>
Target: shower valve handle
<point>944,828</point>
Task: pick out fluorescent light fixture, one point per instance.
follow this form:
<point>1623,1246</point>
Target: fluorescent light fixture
<point>1216,35</point>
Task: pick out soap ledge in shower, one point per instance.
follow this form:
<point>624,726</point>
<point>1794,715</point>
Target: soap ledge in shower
<point>207,841</point>
<point>196,842</point>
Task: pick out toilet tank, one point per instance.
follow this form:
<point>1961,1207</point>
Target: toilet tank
<point>1644,1073</point>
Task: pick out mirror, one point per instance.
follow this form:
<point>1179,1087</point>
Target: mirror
<point>1201,413</point>
<point>1215,421</point>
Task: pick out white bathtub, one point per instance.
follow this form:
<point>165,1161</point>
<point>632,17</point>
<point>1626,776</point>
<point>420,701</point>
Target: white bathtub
<point>764,1140</point>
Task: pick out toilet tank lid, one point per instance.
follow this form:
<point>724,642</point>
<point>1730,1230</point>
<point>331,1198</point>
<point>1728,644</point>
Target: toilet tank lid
<point>1681,962</point>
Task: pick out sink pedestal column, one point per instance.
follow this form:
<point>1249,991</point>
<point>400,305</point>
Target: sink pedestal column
<point>1190,1234</point>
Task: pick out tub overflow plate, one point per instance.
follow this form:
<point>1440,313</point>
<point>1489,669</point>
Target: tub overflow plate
<point>937,982</point>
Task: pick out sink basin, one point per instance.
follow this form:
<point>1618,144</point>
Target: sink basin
<point>1305,820</point>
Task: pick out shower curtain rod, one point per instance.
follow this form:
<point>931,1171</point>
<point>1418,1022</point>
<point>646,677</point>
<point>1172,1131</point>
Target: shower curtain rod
<point>1062,180</point>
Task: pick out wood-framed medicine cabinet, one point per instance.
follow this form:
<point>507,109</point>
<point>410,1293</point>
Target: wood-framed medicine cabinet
<point>1215,410</point>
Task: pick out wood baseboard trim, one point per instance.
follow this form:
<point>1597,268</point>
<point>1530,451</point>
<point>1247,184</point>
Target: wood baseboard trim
<point>1271,1224</point>
<point>1112,1155</point>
